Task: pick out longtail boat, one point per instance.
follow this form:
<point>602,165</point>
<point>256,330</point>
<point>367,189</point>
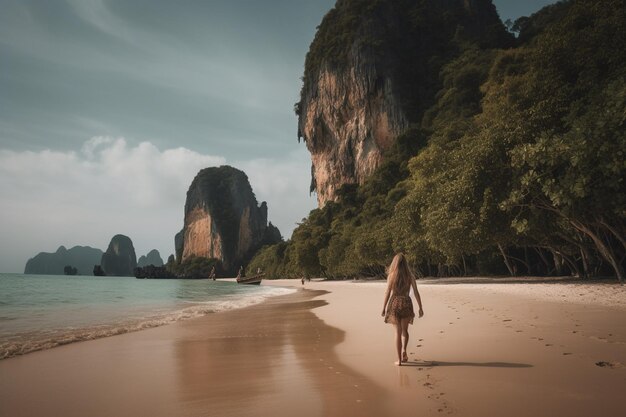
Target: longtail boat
<point>253,280</point>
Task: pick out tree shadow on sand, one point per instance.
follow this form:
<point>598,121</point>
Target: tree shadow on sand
<point>431,364</point>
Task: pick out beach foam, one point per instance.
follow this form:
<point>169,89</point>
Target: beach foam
<point>27,342</point>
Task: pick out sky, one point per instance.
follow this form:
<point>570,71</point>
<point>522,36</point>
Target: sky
<point>109,108</point>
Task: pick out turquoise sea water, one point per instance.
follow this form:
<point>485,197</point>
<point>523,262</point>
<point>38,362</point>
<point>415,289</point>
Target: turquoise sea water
<point>42,311</point>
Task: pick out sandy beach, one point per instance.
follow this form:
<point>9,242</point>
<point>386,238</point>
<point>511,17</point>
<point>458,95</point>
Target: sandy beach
<point>482,349</point>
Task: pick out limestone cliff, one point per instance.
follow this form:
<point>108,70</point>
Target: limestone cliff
<point>223,220</point>
<point>119,258</point>
<point>371,71</point>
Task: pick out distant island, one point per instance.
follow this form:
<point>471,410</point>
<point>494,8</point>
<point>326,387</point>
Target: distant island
<point>84,260</point>
<point>151,258</point>
<point>80,258</point>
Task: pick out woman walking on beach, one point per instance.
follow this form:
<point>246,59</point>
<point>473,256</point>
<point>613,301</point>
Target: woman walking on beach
<point>400,279</point>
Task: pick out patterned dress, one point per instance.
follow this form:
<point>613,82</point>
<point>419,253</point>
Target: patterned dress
<point>399,307</point>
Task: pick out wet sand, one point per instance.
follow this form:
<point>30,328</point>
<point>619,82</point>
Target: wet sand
<point>480,350</point>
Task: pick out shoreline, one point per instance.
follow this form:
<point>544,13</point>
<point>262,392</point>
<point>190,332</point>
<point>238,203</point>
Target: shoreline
<point>32,340</point>
<point>325,351</point>
<point>277,361</point>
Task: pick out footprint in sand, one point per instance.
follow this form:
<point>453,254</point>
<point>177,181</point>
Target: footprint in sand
<point>567,353</point>
<point>606,364</point>
<point>548,344</point>
<point>507,320</point>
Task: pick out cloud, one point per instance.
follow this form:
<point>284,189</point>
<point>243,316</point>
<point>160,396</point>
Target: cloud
<point>85,196</point>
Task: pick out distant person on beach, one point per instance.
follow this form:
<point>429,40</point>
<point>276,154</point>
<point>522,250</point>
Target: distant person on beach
<point>212,274</point>
<point>399,311</point>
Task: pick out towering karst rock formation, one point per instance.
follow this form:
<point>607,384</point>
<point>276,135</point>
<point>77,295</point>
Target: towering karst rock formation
<point>371,72</point>
<point>82,258</point>
<point>119,258</point>
<point>151,258</point>
<point>223,220</point>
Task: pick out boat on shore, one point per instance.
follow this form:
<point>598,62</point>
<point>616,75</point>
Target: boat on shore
<point>253,280</point>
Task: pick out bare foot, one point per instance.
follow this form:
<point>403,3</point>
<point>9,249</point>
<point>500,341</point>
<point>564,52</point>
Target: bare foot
<point>405,357</point>
<point>397,363</point>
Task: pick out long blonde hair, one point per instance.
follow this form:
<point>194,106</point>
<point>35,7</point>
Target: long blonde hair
<point>399,275</point>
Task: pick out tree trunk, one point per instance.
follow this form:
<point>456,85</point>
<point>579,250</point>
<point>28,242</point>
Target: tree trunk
<point>506,261</point>
<point>515,258</point>
<point>583,257</point>
<point>527,259</point>
<point>544,260</point>
<point>613,230</point>
<point>558,263</point>
<point>572,264</point>
<point>464,266</point>
<point>604,250</point>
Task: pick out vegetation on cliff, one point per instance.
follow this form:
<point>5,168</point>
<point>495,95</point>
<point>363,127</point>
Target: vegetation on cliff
<point>410,40</point>
<point>516,167</point>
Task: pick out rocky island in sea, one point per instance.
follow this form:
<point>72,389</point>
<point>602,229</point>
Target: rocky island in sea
<point>80,259</point>
<point>119,258</point>
<point>151,258</point>
<point>223,220</point>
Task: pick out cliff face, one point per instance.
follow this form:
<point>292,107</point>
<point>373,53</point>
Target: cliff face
<point>371,71</point>
<point>222,219</point>
<point>349,118</point>
<point>82,258</point>
<point>119,258</point>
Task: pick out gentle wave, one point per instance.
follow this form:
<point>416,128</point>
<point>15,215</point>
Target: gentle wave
<point>21,344</point>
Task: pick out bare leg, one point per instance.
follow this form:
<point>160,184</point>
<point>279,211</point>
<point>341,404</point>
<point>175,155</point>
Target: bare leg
<point>405,335</point>
<point>399,342</point>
